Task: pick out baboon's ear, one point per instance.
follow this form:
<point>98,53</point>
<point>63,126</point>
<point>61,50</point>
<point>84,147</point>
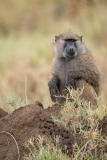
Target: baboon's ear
<point>81,38</point>
<point>56,38</point>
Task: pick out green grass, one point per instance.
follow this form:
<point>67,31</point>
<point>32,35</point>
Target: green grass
<point>47,152</point>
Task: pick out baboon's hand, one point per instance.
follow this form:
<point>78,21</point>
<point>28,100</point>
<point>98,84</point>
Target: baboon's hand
<point>54,92</point>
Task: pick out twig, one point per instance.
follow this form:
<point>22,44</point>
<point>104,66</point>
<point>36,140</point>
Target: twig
<point>15,143</point>
<point>30,150</point>
<point>96,126</point>
<point>26,89</point>
<point>84,146</point>
<point>7,141</point>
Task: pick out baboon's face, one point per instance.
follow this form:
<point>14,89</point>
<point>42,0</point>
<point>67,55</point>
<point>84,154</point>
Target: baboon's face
<point>68,48</point>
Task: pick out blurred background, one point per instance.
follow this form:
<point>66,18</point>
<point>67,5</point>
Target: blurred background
<point>27,29</point>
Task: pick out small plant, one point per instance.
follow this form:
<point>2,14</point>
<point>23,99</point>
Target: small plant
<point>14,102</point>
<point>80,119</point>
<point>49,151</point>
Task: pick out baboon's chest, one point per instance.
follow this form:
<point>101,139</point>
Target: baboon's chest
<point>65,67</point>
<point>62,72</point>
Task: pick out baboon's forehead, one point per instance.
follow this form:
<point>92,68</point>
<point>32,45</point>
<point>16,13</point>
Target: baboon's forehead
<point>69,35</point>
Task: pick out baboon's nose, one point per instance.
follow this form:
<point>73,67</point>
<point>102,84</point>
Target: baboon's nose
<point>71,49</point>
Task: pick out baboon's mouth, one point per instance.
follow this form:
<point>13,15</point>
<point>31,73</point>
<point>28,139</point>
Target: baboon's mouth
<point>70,55</point>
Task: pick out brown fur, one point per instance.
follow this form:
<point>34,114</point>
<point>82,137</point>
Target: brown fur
<point>80,71</point>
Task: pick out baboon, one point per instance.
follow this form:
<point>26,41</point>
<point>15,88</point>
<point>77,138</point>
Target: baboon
<point>73,66</point>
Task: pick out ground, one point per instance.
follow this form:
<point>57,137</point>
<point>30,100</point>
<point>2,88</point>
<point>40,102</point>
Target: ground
<point>26,122</point>
<point>31,121</point>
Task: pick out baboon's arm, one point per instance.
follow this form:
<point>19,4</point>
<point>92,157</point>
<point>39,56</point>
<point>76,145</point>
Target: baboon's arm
<point>53,87</point>
<point>90,76</point>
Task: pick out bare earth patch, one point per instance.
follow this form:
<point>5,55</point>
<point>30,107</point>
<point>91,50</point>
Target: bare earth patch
<point>30,121</point>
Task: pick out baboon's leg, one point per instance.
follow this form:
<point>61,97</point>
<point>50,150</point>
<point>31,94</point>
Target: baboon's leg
<point>88,93</point>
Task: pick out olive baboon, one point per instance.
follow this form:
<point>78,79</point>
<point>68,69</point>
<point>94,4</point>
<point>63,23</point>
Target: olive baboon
<point>74,66</point>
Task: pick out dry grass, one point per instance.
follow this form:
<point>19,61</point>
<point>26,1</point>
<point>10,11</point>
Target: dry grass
<point>83,122</point>
<point>27,29</point>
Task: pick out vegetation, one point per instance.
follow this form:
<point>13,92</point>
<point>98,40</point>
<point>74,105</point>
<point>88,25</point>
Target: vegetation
<point>83,122</point>
<point>47,152</point>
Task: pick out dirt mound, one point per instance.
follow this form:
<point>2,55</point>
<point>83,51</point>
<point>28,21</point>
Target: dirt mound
<point>26,122</point>
<point>2,113</point>
<point>54,110</point>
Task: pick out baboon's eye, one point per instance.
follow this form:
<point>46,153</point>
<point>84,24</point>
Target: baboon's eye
<point>70,40</point>
<point>73,40</point>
